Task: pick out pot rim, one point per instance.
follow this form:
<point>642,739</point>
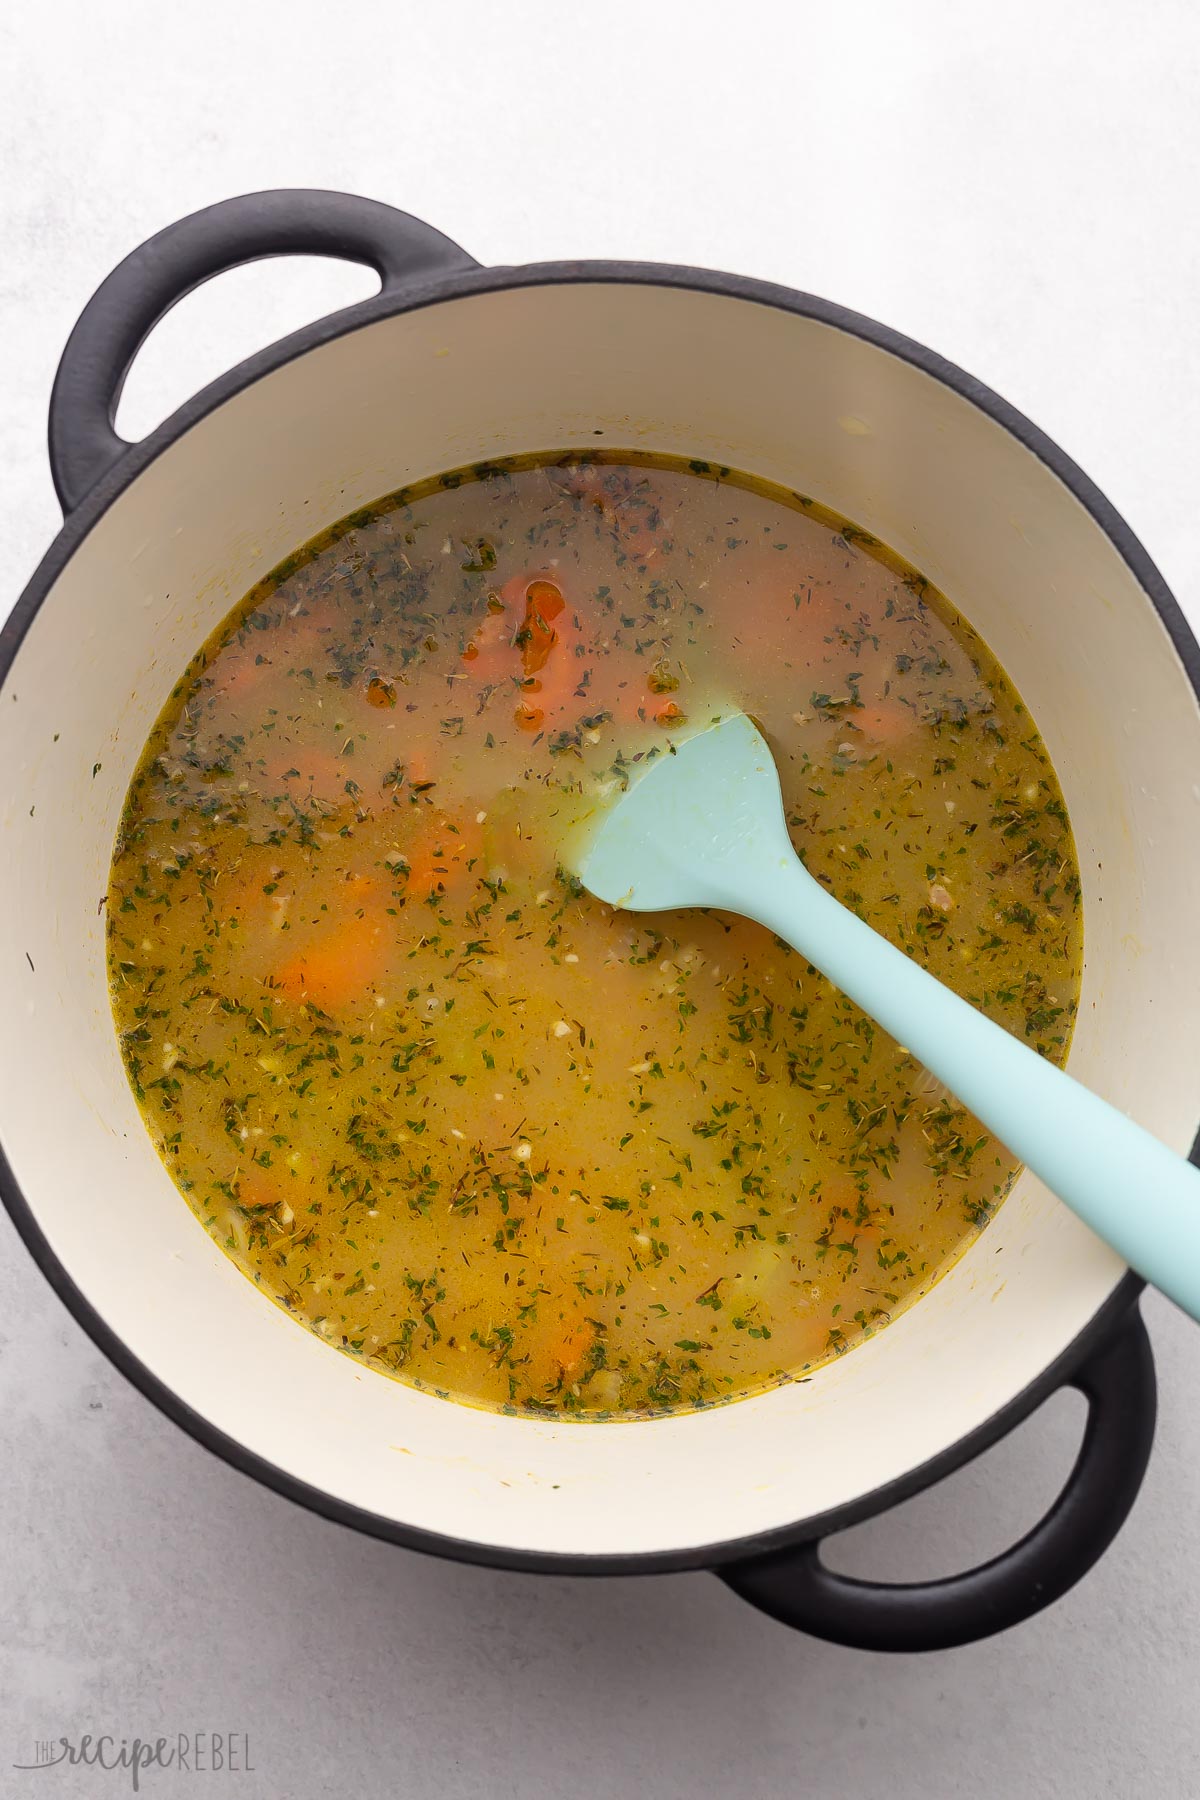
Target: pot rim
<point>416,296</point>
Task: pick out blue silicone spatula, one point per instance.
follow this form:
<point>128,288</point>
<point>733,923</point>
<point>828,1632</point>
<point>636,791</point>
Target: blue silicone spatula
<point>704,826</point>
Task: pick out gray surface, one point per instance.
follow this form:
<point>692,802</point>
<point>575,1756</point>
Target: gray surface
<point>1014,186</point>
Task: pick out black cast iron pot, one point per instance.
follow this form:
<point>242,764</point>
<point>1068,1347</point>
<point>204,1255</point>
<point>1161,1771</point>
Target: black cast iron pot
<point>451,363</point>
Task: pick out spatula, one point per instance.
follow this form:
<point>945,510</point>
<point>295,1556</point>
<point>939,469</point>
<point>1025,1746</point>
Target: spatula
<point>704,826</point>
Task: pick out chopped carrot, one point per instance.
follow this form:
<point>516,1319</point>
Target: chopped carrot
<point>887,722</point>
<point>561,1354</point>
<point>571,1349</point>
<point>777,612</point>
<point>537,636</point>
<point>556,689</point>
<point>533,641</point>
<point>255,655</point>
<point>529,718</point>
<point>441,860</point>
<point>416,768</point>
<point>808,1339</point>
<point>340,967</point>
<point>240,671</point>
<point>304,771</point>
<point>670,715</point>
<point>516,634</point>
<point>348,958</point>
<point>537,642</point>
<point>355,890</point>
<point>257,1192</point>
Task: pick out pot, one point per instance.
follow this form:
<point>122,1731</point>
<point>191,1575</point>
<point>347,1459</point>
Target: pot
<point>449,364</point>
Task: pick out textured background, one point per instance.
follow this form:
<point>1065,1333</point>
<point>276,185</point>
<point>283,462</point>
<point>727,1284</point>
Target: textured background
<point>1014,185</point>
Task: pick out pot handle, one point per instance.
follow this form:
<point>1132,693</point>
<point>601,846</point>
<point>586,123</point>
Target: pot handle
<point>141,290</point>
<point>795,1586</point>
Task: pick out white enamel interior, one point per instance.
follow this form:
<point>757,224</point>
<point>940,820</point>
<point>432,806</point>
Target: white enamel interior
<point>536,367</point>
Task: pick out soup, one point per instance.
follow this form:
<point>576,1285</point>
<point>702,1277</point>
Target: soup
<point>455,1115</point>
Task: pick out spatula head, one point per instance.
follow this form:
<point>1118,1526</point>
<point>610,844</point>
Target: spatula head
<point>694,828</point>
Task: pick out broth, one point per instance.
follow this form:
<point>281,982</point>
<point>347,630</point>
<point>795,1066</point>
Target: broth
<point>463,1120</point>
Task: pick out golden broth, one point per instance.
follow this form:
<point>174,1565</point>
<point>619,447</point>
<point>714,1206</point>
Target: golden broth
<point>465,1121</point>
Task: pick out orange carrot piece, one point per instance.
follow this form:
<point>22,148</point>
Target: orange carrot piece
<point>775,611</point>
<point>237,671</point>
<point>537,636</point>
<point>887,722</point>
<point>339,967</point>
<point>442,858</point>
<point>515,640</point>
<point>564,1353</point>
<point>257,1192</point>
<point>346,961</point>
<point>318,773</point>
<point>529,718</point>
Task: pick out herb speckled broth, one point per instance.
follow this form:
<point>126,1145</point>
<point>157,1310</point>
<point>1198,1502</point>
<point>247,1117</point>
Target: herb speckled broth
<point>458,1117</point>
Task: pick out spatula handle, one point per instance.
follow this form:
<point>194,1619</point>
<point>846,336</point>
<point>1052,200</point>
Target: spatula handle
<point>1142,1198</point>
